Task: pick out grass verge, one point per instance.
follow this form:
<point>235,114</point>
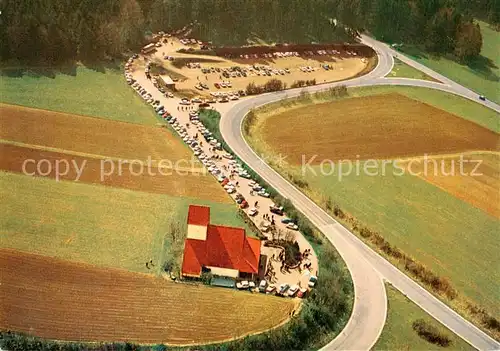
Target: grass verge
<point>402,70</point>
<point>398,333</point>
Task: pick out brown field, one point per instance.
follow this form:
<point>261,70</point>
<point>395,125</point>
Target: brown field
<point>89,135</point>
<point>60,300</point>
<point>183,183</point>
<point>480,189</point>
<point>372,127</point>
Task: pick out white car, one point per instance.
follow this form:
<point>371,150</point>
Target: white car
<point>256,187</point>
<point>253,212</point>
<point>293,290</point>
<point>292,226</point>
<point>263,193</point>
<point>312,281</point>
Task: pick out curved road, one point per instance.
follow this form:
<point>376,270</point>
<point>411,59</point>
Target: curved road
<point>368,269</point>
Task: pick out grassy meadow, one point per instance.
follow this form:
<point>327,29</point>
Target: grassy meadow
<point>78,90</point>
<point>482,75</point>
<point>398,333</point>
<point>424,222</point>
<point>96,224</point>
<point>402,70</point>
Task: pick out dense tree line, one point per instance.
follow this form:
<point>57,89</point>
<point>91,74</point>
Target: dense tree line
<point>59,30</point>
<point>53,31</point>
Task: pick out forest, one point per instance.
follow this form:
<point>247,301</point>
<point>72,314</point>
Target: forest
<point>56,31</point>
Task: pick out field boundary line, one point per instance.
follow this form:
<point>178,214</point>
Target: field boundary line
<point>95,156</point>
<point>452,155</point>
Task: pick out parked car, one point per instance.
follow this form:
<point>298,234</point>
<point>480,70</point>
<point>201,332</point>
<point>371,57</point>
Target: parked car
<point>253,212</point>
<point>276,210</point>
<point>302,293</point>
<point>265,228</point>
<point>292,226</point>
<point>263,193</point>
<point>293,290</point>
<point>312,281</point>
<point>244,204</point>
<point>263,286</point>
<point>283,288</point>
<point>239,198</point>
<point>270,289</point>
<point>286,220</point>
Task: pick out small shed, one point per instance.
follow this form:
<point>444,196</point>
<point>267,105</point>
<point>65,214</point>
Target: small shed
<point>167,82</point>
<point>148,49</point>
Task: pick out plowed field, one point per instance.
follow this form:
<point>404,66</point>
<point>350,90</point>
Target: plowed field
<point>373,127</point>
<point>89,135</point>
<point>177,182</point>
<point>66,301</point>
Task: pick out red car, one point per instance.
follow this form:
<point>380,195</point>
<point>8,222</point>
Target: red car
<point>302,293</point>
<point>244,204</point>
<point>217,85</point>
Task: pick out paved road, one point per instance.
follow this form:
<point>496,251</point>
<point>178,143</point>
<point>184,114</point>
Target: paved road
<point>367,268</point>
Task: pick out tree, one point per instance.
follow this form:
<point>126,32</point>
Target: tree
<point>468,41</point>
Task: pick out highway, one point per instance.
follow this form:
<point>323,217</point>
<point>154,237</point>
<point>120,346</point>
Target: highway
<point>369,270</point>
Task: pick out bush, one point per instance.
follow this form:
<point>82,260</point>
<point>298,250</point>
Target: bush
<point>430,333</point>
<point>270,86</point>
<point>301,183</point>
<point>292,253</point>
<point>206,278</point>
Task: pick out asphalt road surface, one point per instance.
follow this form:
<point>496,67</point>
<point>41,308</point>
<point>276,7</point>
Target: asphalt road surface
<point>368,269</point>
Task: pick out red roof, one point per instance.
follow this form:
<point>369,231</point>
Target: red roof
<point>199,215</point>
<point>225,247</point>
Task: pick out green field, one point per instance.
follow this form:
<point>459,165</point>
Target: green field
<point>81,91</point>
<point>96,224</point>
<point>410,213</point>
<point>398,333</point>
<point>482,76</point>
<point>402,70</point>
<point>425,222</point>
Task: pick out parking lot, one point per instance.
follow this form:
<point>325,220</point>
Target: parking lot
<point>203,75</point>
<point>249,195</point>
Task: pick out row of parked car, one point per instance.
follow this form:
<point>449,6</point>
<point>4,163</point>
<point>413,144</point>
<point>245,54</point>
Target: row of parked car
<point>128,66</point>
<point>281,290</point>
<point>190,41</point>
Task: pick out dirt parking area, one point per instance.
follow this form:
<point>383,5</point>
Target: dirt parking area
<point>319,67</point>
